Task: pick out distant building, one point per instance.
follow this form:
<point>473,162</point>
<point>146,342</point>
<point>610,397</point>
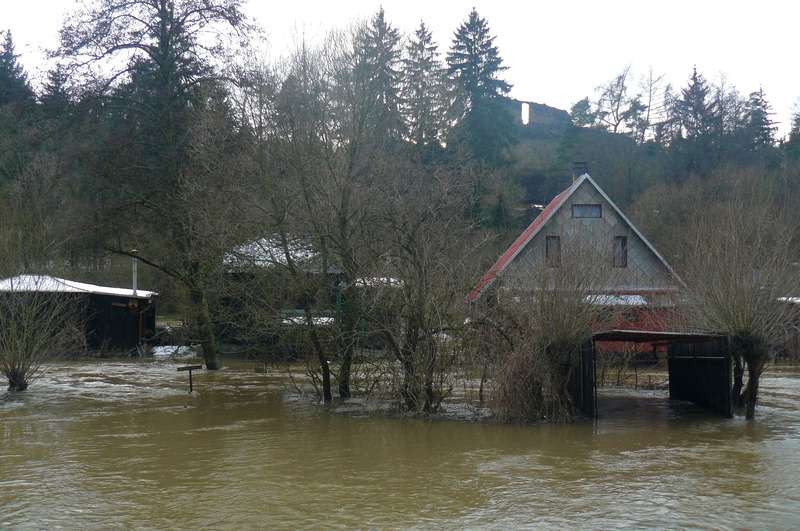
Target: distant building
<point>537,120</point>
<point>117,318</point>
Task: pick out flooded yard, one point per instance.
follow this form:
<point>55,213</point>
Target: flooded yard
<point>122,444</point>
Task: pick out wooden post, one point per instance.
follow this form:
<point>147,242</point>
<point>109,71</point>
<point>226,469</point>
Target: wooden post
<point>190,368</point>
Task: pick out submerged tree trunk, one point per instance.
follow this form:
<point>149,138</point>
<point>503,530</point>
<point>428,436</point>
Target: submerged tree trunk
<point>324,368</point>
<point>347,339</point>
<point>751,391</point>
<point>16,381</point>
<point>410,386</point>
<point>484,372</point>
<point>430,394</point>
<point>753,351</point>
<point>208,339</point>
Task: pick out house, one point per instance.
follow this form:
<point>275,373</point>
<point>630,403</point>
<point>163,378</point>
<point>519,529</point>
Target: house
<point>116,318</point>
<point>583,214</point>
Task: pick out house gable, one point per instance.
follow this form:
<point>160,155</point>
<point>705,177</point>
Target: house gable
<point>645,271</point>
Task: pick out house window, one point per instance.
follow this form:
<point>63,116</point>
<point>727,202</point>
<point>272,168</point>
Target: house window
<point>587,211</point>
<point>620,251</point>
<point>552,251</point>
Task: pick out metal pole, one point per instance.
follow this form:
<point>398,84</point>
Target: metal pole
<point>190,380</point>
<point>135,270</point>
<point>594,378</point>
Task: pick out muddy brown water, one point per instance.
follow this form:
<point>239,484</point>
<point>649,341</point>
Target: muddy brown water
<point>122,445</point>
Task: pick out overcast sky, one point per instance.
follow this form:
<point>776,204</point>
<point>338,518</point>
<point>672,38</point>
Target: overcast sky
<point>557,51</point>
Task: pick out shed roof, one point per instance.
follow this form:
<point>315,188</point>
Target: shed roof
<point>48,284</point>
<point>536,226</point>
<point>650,336</point>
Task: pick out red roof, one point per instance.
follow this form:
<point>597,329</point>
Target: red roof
<point>517,246</point>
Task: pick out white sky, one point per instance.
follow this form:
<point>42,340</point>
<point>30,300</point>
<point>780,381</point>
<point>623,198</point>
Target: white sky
<point>558,51</point>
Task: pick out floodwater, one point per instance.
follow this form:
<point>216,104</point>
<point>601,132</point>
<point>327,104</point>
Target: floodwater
<point>122,444</point>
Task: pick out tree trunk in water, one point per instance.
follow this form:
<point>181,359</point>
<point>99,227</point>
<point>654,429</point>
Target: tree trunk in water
<point>751,392</point>
<point>323,363</point>
<point>344,372</point>
<point>327,397</point>
<point>349,320</point>
<point>430,364</point>
<point>410,387</point>
<point>753,351</point>
<point>16,381</point>
<point>430,396</point>
<point>207,338</point>
<point>483,381</point>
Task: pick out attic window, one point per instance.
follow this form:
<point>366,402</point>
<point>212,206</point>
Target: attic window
<point>587,211</point>
<point>552,251</point>
<point>620,251</point>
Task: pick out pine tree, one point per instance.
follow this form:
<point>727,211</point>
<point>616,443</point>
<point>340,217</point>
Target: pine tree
<point>795,130</point>
<point>475,62</point>
<point>378,63</point>
<point>424,91</point>
<point>792,146</point>
<point>55,96</point>
<point>695,149</point>
<point>14,87</point>
<point>760,127</point>
<point>696,109</point>
<point>485,127</point>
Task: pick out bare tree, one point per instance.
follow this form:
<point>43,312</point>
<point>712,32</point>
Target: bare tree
<point>426,241</point>
<point>739,268</point>
<point>613,102</point>
<point>548,320</point>
<point>35,324</point>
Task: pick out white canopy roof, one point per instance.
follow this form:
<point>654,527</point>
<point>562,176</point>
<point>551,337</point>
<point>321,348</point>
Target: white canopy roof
<point>267,252</point>
<point>43,283</point>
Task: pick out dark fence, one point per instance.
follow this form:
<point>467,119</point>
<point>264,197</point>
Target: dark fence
<point>701,373</point>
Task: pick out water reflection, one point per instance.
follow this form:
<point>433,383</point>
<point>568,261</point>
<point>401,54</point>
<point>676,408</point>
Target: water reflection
<point>123,444</point>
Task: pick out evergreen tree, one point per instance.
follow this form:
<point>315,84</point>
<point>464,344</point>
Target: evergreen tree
<point>475,62</point>
<point>160,63</point>
<point>424,92</point>
<point>792,146</point>
<point>14,87</point>
<point>378,64</point>
<point>485,126</point>
<point>697,111</point>
<point>55,96</point>
<point>760,127</point>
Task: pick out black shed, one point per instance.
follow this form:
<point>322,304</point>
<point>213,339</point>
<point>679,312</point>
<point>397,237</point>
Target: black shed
<point>117,318</point>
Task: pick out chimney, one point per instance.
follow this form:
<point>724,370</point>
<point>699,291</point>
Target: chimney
<point>579,168</point>
<point>135,267</point>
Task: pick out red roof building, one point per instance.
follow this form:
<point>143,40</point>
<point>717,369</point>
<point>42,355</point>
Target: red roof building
<point>582,212</point>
